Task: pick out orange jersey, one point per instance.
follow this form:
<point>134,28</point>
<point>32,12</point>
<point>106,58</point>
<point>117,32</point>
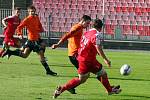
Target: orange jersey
<point>73,37</point>
<point>33,25</point>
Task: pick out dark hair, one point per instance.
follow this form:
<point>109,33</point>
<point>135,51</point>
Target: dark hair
<point>97,24</point>
<point>31,7</point>
<point>86,17</point>
<point>17,8</point>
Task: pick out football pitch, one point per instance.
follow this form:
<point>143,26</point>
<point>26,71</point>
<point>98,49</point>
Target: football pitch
<point>25,79</point>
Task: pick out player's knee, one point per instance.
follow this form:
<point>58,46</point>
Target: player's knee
<point>83,78</point>
<point>101,73</point>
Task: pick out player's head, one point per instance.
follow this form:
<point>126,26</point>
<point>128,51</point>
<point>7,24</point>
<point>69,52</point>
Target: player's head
<point>85,20</point>
<point>31,10</point>
<point>17,11</point>
<point>98,24</point>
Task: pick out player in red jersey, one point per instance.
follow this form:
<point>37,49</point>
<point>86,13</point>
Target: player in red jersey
<point>90,46</point>
<point>10,24</point>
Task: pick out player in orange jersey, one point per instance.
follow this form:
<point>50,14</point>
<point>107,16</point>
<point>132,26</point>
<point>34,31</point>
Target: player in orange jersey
<point>34,42</point>
<point>10,24</point>
<point>73,38</point>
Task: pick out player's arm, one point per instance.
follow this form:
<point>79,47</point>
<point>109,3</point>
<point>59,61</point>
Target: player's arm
<point>97,41</point>
<point>102,54</point>
<point>65,37</point>
<point>5,20</point>
<point>20,27</point>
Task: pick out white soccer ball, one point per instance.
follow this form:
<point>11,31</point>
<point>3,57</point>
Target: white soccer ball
<point>125,69</point>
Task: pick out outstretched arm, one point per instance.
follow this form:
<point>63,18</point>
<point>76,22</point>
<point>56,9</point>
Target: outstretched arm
<point>20,27</point>
<point>64,38</point>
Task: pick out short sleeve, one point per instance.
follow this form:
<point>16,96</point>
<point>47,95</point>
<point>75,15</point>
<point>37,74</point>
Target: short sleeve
<point>97,39</point>
<point>9,18</point>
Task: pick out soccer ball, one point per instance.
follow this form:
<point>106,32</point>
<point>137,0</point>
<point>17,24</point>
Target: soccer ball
<point>125,69</point>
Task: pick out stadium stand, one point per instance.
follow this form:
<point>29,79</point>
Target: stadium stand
<point>131,16</point>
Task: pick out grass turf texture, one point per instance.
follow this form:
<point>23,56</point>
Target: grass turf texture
<point>25,79</point>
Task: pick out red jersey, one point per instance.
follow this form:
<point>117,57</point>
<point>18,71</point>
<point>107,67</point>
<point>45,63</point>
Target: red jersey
<point>87,50</point>
<point>12,23</point>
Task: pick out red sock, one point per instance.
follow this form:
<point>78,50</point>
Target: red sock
<point>71,84</point>
<point>105,83</point>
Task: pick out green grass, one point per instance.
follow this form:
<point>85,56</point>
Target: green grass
<point>25,79</point>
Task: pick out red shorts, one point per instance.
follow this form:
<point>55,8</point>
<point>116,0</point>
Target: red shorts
<point>11,41</point>
<point>85,67</point>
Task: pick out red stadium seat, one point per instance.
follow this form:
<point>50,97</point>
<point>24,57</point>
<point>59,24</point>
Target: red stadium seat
<point>141,1</point>
<point>93,3</point>
<point>125,17</point>
<point>118,7</point>
<point>80,2</point>
<point>119,17</point>
<point>67,15</point>
<point>147,28</point>
<point>130,7</point>
<point>62,20</point>
<point>108,28</point>
<point>127,27</point>
<point>79,7</point>
<point>134,27</point>
<point>60,6</point>
<point>112,17</point>
<point>72,6</point>
<point>135,1</point>
<point>73,15</point>
<point>140,28</point>
<point>61,1</point>
<point>131,18</point>
<point>61,15</point>
<point>144,18</point>
<point>66,6</point>
<point>124,7</point>
<point>128,1</point>
<point>92,7</point>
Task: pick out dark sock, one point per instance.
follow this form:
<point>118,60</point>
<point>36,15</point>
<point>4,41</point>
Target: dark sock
<point>44,63</point>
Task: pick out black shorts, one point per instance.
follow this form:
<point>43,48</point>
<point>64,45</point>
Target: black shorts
<point>74,61</point>
<point>33,45</point>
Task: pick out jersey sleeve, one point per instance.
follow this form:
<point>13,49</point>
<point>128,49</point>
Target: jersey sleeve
<point>21,26</point>
<point>72,33</point>
<point>9,18</point>
<point>97,39</point>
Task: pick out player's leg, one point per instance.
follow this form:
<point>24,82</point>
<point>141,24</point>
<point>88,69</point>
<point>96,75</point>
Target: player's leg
<point>83,76</point>
<point>16,43</point>
<point>39,47</point>
<point>103,78</point>
<point>5,46</point>
<point>74,61</point>
<point>18,52</point>
<point>44,63</point>
<point>71,84</point>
